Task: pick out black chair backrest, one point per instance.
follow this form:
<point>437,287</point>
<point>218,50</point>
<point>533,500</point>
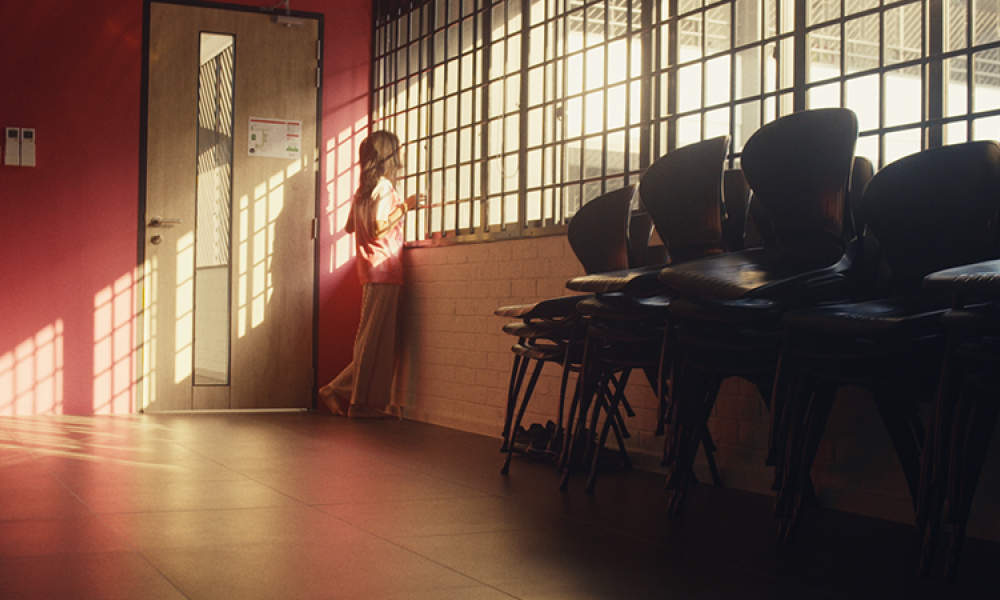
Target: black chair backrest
<point>682,192</point>
<point>798,167</point>
<point>934,210</point>
<point>736,201</point>
<point>598,232</point>
<point>861,246</point>
<point>640,229</point>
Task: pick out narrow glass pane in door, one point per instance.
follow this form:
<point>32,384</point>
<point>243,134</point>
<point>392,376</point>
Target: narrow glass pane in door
<point>214,200</point>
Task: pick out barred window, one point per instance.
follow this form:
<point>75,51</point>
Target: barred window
<point>517,112</point>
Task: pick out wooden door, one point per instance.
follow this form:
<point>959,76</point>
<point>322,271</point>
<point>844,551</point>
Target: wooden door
<point>230,207</point>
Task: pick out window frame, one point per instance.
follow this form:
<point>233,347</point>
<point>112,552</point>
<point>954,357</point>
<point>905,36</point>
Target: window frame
<point>509,181</point>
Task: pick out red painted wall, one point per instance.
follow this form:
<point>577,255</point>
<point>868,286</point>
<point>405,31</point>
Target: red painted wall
<point>68,226</point>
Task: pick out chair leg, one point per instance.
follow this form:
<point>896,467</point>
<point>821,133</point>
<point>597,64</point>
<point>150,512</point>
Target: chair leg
<point>784,379</point>
<point>587,386</point>
<point>904,439</point>
<point>678,366</point>
<point>513,391</point>
<point>709,446</point>
<point>610,407</point>
<point>795,403</point>
<point>982,420</point>
<point>563,386</point>
<point>935,471</point>
<point>695,426</point>
<point>933,462</point>
<point>663,369</point>
<point>579,391</point>
<point>598,406</point>
<point>520,414</point>
<point>804,455</point>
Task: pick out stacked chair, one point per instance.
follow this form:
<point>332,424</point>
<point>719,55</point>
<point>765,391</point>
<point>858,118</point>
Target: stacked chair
<point>925,212</point>
<point>965,409</point>
<point>553,331</point>
<point>626,317</point>
<point>727,307</point>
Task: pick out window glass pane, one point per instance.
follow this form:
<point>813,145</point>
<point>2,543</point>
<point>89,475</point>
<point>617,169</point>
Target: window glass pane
<point>903,35</point>
<point>213,206</point>
<point>985,26</point>
<point>617,109</point>
<point>749,18</point>
<point>688,130</point>
<point>748,73</point>
<point>747,122</point>
<point>821,11</point>
<point>690,33</point>
<point>862,96</point>
<point>824,53</point>
<point>956,25</point>
<point>901,143</point>
<point>717,78</point>
<point>862,43</point>
<point>689,87</point>
<point>867,146</point>
<point>594,119</point>
<point>616,153</point>
<point>902,96</point>
<point>986,88</point>
<point>716,123</point>
<point>685,6</point>
<point>956,100</point>
<point>855,6</point>
<point>717,29</point>
<point>987,128</point>
<point>824,96</point>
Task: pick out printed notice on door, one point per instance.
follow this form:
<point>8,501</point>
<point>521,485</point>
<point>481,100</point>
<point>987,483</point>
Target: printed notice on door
<point>277,138</point>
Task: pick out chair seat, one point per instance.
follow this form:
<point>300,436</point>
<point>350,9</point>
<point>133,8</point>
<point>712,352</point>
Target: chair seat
<point>560,330</point>
<point>642,282</point>
<point>620,307</point>
<point>551,308</point>
<point>981,278</point>
<point>625,331</point>
<point>763,272</point>
<point>983,318</point>
<point>873,318</point>
<point>751,310</point>
<point>540,351</point>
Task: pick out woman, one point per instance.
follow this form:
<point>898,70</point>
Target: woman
<point>364,388</point>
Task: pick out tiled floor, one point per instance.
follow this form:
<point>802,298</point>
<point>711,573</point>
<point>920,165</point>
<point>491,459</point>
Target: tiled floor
<point>301,506</point>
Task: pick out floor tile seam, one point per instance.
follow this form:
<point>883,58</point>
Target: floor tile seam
<point>413,552</point>
<point>132,551</point>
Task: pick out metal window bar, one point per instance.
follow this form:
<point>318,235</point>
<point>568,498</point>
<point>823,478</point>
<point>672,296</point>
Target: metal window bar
<point>833,34</point>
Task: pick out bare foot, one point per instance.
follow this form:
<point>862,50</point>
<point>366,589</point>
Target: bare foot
<point>332,401</point>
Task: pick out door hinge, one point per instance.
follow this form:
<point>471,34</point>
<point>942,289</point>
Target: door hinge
<point>315,229</point>
<point>319,49</point>
<point>319,77</point>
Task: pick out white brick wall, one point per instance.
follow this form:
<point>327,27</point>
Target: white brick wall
<point>456,365</point>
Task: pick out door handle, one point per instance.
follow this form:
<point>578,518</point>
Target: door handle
<point>161,222</point>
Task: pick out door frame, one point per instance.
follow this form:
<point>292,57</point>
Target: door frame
<point>141,318</point>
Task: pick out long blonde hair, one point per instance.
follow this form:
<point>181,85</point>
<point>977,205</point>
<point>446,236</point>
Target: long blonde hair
<point>379,154</point>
